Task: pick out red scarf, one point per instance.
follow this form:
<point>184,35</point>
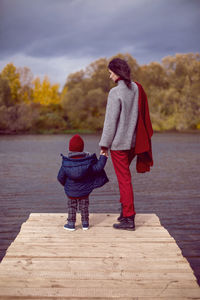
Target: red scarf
<point>118,79</point>
<point>144,133</point>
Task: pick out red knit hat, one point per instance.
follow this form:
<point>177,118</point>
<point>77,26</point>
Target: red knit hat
<point>76,144</point>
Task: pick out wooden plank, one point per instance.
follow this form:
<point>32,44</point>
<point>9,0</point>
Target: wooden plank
<point>92,265</point>
<point>63,283</point>
<point>36,251</point>
<point>59,262</point>
<point>47,239</point>
<point>168,275</point>
<point>105,293</point>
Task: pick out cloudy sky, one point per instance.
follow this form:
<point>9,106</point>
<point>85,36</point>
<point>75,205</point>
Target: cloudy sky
<point>58,37</point>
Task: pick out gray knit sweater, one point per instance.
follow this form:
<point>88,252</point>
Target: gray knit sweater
<point>121,118</point>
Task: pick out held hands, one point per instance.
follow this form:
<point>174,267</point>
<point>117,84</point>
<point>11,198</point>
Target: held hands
<point>104,152</point>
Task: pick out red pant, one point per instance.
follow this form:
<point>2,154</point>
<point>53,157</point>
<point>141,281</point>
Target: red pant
<point>121,161</point>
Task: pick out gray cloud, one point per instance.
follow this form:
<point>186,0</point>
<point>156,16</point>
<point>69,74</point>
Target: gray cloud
<point>147,29</point>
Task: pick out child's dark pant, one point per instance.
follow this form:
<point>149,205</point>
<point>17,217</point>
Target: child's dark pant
<point>83,208</point>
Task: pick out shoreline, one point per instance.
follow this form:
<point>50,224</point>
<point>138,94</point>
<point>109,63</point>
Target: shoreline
<point>82,131</point>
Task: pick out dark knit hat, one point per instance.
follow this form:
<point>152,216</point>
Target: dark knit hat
<point>76,144</point>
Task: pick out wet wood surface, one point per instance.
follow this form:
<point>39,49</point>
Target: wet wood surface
<point>47,262</point>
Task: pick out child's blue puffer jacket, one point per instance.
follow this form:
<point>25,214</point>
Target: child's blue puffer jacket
<point>80,176</point>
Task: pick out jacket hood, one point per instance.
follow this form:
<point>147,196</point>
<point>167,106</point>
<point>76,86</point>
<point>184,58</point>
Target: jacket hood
<point>77,168</point>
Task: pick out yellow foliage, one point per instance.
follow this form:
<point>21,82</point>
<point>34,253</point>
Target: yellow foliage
<point>25,97</point>
<point>12,76</point>
<point>45,93</point>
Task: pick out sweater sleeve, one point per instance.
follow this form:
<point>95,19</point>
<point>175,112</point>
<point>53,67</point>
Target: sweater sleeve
<point>111,119</point>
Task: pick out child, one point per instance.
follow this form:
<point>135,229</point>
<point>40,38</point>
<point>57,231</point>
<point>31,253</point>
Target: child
<point>80,173</point>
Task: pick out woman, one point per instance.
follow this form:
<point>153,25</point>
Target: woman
<point>127,132</point>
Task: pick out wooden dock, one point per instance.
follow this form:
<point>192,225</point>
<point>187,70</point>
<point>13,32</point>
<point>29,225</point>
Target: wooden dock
<point>47,262</point>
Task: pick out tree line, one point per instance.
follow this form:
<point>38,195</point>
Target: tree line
<point>32,105</point>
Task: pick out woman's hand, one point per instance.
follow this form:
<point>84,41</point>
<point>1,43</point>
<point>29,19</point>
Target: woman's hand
<point>104,152</point>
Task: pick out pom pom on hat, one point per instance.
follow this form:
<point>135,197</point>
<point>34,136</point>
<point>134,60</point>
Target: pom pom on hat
<point>76,144</point>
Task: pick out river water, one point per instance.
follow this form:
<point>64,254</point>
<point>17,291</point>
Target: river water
<point>29,165</point>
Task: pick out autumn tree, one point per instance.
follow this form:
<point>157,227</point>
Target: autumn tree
<point>85,100</point>
<point>26,82</point>
<point>15,115</point>
<point>182,98</point>
<point>5,92</point>
<point>28,105</point>
<point>10,74</point>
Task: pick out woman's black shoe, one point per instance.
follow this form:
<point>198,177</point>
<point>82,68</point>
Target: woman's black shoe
<point>120,218</point>
<point>126,224</point>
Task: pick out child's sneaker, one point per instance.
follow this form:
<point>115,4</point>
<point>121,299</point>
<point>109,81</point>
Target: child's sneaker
<point>69,226</point>
<point>85,225</point>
